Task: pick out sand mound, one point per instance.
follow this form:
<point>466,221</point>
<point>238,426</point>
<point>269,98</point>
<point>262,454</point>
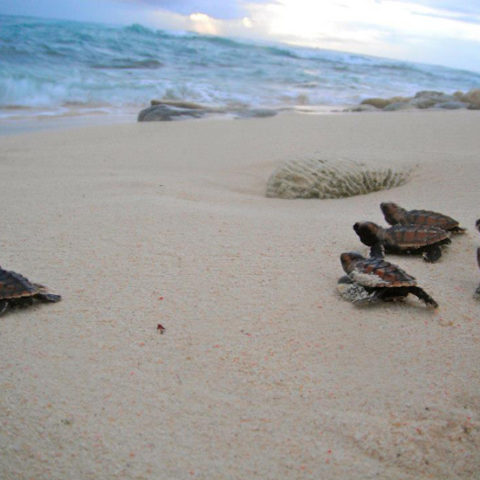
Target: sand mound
<point>320,178</point>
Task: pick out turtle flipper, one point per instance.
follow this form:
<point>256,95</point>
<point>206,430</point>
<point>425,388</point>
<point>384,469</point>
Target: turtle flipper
<point>432,253</point>
<point>476,295</point>
<point>377,250</point>
<point>44,295</point>
<point>423,295</point>
<point>49,297</point>
<point>4,304</point>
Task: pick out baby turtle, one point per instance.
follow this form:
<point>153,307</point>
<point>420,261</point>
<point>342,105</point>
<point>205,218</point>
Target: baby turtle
<point>372,279</point>
<point>394,215</point>
<point>17,291</point>
<point>403,239</point>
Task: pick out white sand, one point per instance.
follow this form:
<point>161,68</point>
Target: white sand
<point>263,371</point>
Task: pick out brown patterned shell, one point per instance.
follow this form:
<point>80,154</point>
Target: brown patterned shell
<point>413,236</point>
<point>375,272</point>
<point>429,218</point>
<point>14,285</point>
<point>397,215</point>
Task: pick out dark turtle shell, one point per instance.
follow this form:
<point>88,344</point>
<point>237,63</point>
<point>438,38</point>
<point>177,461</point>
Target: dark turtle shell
<point>16,290</point>
<point>374,271</point>
<point>413,236</point>
<point>403,237</point>
<point>14,285</point>
<point>394,214</point>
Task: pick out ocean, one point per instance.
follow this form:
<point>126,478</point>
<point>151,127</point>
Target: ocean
<point>58,68</point>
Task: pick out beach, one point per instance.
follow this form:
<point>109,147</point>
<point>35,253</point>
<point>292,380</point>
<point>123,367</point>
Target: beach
<point>263,371</point>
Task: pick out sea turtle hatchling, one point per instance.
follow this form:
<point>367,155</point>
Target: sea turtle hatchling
<point>17,291</point>
<point>394,215</point>
<point>372,279</point>
<point>413,239</point>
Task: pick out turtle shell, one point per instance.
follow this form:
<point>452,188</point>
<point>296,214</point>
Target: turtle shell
<point>375,272</point>
<point>413,236</point>
<point>13,285</point>
<point>396,215</point>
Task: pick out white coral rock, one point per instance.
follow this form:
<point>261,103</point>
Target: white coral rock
<point>317,178</point>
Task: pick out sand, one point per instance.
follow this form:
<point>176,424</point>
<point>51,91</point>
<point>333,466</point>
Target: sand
<point>263,372</point>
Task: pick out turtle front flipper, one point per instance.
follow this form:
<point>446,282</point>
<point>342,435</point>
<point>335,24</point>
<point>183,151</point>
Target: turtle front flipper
<point>49,297</point>
<point>432,253</point>
<point>377,250</point>
<point>423,295</point>
<point>4,304</point>
<point>44,295</point>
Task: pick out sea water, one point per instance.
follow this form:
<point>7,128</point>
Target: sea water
<point>55,67</point>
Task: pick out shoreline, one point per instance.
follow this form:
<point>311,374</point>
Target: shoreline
<point>263,371</point>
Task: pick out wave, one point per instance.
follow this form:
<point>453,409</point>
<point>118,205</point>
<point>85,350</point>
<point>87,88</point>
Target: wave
<point>53,63</point>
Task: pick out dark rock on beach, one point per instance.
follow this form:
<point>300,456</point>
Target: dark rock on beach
<point>164,113</point>
<point>167,110</point>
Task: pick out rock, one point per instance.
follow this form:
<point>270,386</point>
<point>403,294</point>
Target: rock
<point>162,113</point>
<point>429,98</point>
<point>452,105</point>
<point>179,104</point>
<point>383,102</point>
<point>473,98</point>
<point>320,178</point>
<point>376,102</point>
<point>392,107</point>
<point>366,107</point>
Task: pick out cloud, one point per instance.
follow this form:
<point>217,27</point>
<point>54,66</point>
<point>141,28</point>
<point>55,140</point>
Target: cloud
<point>225,10</point>
<point>435,31</point>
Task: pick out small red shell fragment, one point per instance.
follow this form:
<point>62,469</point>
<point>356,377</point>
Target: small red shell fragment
<point>160,328</point>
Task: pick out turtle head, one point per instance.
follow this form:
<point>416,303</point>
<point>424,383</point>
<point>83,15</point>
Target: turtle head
<point>392,212</point>
<point>349,259</point>
<point>368,232</point>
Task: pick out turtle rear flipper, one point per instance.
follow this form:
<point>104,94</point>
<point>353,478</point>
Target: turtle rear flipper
<point>476,295</point>
<point>432,254</point>
<point>3,306</point>
<point>423,295</point>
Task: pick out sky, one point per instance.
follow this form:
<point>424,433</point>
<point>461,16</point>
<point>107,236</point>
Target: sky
<point>442,32</point>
